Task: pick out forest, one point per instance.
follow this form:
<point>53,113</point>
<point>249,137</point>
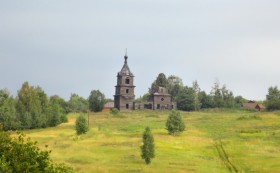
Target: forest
<point>33,108</point>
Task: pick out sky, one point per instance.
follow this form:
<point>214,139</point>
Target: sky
<point>71,46</point>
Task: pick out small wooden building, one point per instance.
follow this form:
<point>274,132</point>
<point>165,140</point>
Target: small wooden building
<point>108,106</point>
<point>253,105</point>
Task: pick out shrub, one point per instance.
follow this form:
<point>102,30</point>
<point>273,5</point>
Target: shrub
<point>175,123</point>
<point>148,148</point>
<point>115,111</point>
<point>18,154</point>
<point>81,125</point>
<point>63,118</point>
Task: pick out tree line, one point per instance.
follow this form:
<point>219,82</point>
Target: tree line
<point>32,108</point>
<point>192,98</point>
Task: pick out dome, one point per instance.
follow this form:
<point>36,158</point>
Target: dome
<point>125,69</point>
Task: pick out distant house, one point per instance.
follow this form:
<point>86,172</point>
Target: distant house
<point>108,106</point>
<point>253,105</point>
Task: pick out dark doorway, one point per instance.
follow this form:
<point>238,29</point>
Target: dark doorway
<point>158,106</point>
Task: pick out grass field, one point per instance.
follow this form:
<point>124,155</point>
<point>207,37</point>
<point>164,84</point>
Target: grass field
<point>214,141</point>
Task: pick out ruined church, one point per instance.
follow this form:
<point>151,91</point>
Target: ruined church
<point>124,98</point>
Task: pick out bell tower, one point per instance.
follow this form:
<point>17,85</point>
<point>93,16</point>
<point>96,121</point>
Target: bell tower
<point>124,95</point>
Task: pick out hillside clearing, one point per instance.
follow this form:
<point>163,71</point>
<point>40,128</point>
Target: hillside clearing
<point>214,141</point>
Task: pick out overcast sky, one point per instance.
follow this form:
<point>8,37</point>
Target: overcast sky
<point>68,46</point>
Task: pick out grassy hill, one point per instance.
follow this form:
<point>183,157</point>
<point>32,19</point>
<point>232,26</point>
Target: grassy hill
<point>214,141</point>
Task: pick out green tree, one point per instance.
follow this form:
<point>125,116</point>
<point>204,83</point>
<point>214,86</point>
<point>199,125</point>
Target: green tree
<point>161,81</point>
<point>7,111</point>
<point>96,101</point>
<point>217,95</point>
<point>144,98</point>
<point>228,97</point>
<point>77,104</point>
<point>57,111</point>
<point>81,125</point>
<point>196,91</point>
<point>54,114</point>
<point>185,99</point>
<point>175,123</point>
<point>273,99</point>
<point>18,154</point>
<point>42,120</point>
<point>61,102</point>
<point>148,147</point>
<point>29,107</point>
<point>174,86</point>
<point>222,97</point>
<point>205,100</point>
<point>239,100</point>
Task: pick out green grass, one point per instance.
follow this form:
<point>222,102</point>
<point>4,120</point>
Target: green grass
<point>214,141</point>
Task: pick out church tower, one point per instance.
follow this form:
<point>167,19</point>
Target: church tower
<point>124,95</point>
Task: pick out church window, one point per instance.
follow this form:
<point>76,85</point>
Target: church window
<point>158,106</point>
<point>127,81</point>
<point>127,91</point>
<point>127,106</point>
<point>162,99</point>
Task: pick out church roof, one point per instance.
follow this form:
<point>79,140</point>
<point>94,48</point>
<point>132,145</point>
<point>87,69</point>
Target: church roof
<point>125,69</point>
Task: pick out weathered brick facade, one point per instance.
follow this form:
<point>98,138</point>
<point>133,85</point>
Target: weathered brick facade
<point>124,95</point>
<point>162,100</point>
<point>124,98</point>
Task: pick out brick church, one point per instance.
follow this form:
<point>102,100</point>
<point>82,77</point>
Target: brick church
<point>124,98</point>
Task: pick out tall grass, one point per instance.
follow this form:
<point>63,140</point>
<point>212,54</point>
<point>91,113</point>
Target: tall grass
<point>113,142</point>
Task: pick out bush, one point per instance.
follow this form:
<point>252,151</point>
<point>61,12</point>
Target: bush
<point>148,148</point>
<point>18,154</point>
<point>63,118</point>
<point>81,125</point>
<point>175,123</point>
<point>115,111</point>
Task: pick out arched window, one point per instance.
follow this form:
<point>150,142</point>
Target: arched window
<point>127,81</point>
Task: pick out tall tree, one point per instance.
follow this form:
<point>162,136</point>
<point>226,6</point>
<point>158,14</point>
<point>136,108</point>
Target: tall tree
<point>217,95</point>
<point>29,107</point>
<point>228,97</point>
<point>174,85</point>
<point>96,101</point>
<point>61,102</point>
<point>77,103</point>
<point>185,99</point>
<point>273,93</point>
<point>239,100</point>
<point>161,81</point>
<point>196,102</point>
<point>205,100</point>
<point>7,111</point>
<point>148,148</point>
<point>273,98</point>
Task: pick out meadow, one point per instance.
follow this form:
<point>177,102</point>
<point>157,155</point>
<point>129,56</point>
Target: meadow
<point>214,141</point>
